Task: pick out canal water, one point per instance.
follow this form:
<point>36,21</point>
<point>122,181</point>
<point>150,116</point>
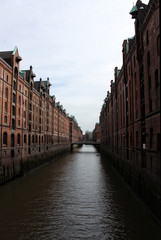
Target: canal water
<point>78,196</point>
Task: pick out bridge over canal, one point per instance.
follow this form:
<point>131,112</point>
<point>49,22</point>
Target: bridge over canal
<point>81,143</point>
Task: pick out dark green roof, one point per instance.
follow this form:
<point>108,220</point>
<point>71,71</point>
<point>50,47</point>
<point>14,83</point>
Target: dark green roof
<point>134,9</point>
<point>118,71</point>
<point>14,51</point>
<point>21,73</point>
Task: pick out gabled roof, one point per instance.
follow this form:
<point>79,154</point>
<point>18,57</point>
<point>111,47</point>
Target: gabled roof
<point>6,56</point>
<point>37,85</point>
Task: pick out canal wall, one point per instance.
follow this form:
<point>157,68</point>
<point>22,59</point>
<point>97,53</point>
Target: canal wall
<point>21,165</point>
<point>140,171</point>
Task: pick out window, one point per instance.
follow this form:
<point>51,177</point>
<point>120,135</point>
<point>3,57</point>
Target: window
<point>14,98</point>
<point>7,78</point>
<point>30,107</point>
<point>6,92</point>
<point>158,142</point>
<point>5,119</point>
<point>29,127</point>
<point>29,139</point>
<point>5,106</point>
<point>12,140</point>
<point>4,139</point>
<point>158,45</point>
<point>13,110</point>
<point>148,60</point>
<point>136,138</point>
<point>25,138</point>
<point>19,123</point>
<point>151,137</point>
<point>32,138</point>
<point>29,116</point>
<point>15,73</point>
<point>13,124</point>
<point>147,38</point>
<point>19,100</point>
<point>18,139</point>
<point>156,79</point>
<point>131,143</point>
<point>24,114</point>
<point>14,85</point>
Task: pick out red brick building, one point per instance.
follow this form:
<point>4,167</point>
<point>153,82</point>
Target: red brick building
<point>130,115</point>
<point>96,133</point>
<point>75,131</point>
<point>32,125</point>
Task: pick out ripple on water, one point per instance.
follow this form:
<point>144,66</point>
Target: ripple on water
<point>76,197</point>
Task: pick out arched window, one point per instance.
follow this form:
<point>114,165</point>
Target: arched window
<point>6,92</point>
<point>18,139</point>
<point>4,139</point>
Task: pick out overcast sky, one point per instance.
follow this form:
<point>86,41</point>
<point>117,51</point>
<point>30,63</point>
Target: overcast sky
<point>76,43</point>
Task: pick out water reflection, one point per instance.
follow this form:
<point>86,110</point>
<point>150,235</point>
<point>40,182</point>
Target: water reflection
<point>77,197</point>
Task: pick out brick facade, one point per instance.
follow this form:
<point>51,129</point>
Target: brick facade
<point>130,115</point>
<point>32,125</point>
<point>96,133</point>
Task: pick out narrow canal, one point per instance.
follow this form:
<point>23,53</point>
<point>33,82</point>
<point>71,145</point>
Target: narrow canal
<point>78,196</point>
